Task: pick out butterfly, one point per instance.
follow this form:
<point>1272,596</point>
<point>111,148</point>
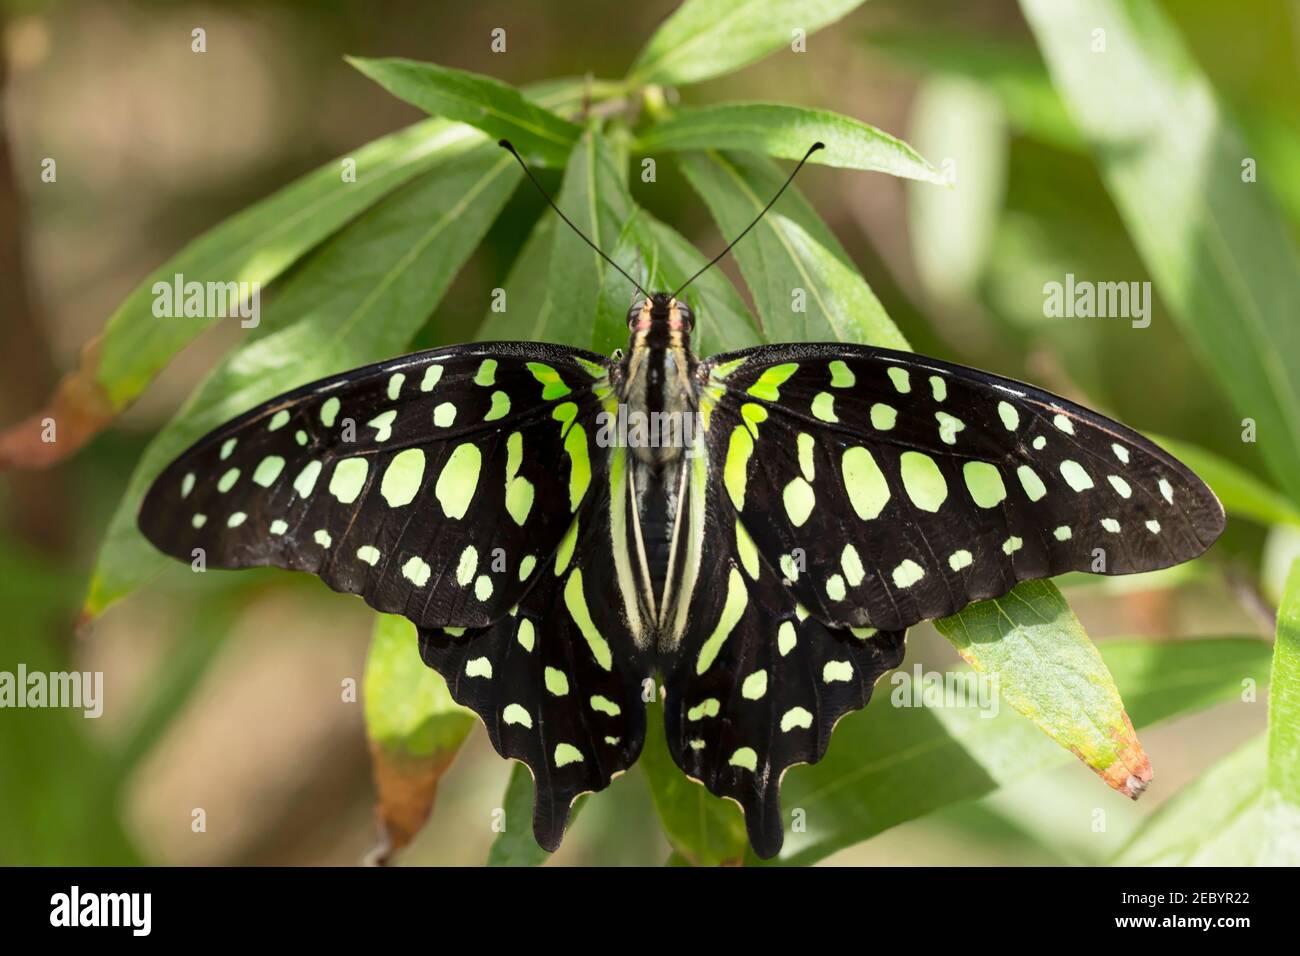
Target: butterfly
<point>757,530</point>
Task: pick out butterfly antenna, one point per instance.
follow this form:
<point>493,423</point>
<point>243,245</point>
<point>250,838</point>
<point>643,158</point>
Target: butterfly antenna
<point>812,149</point>
<point>507,145</point>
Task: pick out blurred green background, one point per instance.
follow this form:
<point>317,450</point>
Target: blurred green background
<point>223,692</point>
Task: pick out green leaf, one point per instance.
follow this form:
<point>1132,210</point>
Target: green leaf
<point>594,196</point>
<point>359,299</point>
<point>1284,696</point>
<point>705,38</point>
<point>1048,669</point>
<point>414,726</point>
<point>1244,811</point>
<point>409,709</point>
<point>790,260</point>
<point>527,314</point>
<point>787,132</point>
<point>891,763</point>
<point>1217,247</point>
<point>516,845</point>
<point>496,108</point>
<point>704,830</point>
<point>1240,492</point>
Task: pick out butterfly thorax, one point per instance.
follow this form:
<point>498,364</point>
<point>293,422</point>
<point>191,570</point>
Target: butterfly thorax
<point>659,399</point>
<point>658,377</point>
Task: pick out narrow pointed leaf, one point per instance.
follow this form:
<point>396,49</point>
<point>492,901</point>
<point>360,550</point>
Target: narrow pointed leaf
<point>496,108</point>
<point>1284,697</point>
<point>594,196</point>
<point>414,726</point>
<point>704,38</point>
<point>527,313</point>
<point>1048,670</point>
<point>787,132</point>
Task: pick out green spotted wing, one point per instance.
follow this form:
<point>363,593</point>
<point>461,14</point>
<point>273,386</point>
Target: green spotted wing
<point>461,488</point>
<point>755,683</point>
<point>432,485</point>
<point>855,491</point>
<point>889,488</point>
<point>560,680</point>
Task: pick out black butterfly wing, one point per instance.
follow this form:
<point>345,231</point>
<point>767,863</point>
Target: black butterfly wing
<point>890,488</point>
<point>463,488</point>
<point>435,485</point>
<point>755,683</point>
<point>559,681</point>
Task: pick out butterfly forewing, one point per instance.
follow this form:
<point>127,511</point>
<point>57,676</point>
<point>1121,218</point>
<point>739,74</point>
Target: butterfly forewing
<point>434,485</point>
<point>889,489</point>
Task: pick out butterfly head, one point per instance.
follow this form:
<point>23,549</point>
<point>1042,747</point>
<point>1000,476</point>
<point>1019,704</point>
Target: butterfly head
<point>660,321</point>
<point>660,312</point>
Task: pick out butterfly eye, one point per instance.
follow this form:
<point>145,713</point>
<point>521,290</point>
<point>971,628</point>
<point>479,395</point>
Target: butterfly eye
<point>688,317</point>
<point>633,314</point>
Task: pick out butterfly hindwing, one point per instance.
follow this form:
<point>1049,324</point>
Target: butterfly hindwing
<point>889,488</point>
<point>559,681</point>
<point>434,485</point>
<point>756,684</point>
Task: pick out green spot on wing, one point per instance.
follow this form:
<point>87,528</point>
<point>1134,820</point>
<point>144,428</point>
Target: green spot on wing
<point>923,480</point>
<point>268,470</point>
<point>732,609</point>
<point>576,602</point>
<point>865,483</point>
<point>735,470</point>
<point>402,478</point>
<point>768,385</point>
<point>984,482</point>
<point>348,479</point>
<point>500,407</point>
<point>459,479</point>
<point>566,754</point>
<point>841,375</point>
<point>552,385</point>
<point>575,444</point>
